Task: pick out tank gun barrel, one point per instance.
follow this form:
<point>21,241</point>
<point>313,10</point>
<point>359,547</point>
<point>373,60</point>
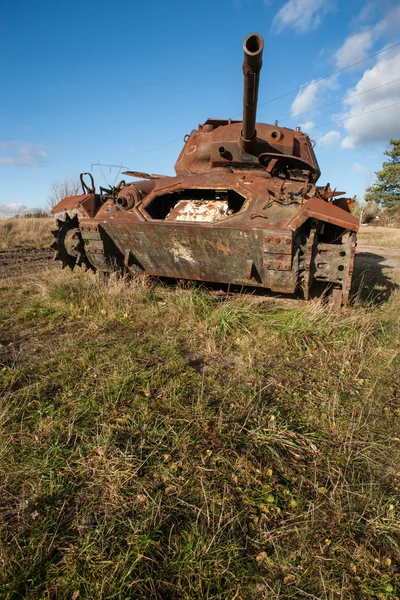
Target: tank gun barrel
<point>253,47</point>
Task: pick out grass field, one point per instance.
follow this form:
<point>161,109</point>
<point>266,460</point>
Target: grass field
<point>379,236</point>
<point>23,232</point>
<point>164,442</point>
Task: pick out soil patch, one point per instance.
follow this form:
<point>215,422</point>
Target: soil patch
<point>19,260</point>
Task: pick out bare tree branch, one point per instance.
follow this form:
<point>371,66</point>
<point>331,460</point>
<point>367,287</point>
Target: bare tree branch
<point>63,189</point>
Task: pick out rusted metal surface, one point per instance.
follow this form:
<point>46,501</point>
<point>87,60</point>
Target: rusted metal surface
<point>243,208</point>
<point>253,48</point>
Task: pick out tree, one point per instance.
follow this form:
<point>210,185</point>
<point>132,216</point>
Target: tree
<point>386,190</point>
<point>365,211</point>
<point>62,189</point>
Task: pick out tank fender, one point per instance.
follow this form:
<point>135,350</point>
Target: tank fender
<point>327,212</point>
<point>85,203</point>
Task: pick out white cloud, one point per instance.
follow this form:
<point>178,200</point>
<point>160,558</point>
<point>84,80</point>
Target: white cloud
<point>347,143</point>
<point>310,95</point>
<point>21,154</point>
<point>307,125</point>
<point>331,138</point>
<point>367,12</point>
<point>374,127</point>
<point>301,15</point>
<point>390,22</point>
<point>379,126</point>
<point>305,99</point>
<point>354,48</point>
<point>358,45</point>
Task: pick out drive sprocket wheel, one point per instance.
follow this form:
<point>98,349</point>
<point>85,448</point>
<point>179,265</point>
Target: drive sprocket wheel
<point>68,244</point>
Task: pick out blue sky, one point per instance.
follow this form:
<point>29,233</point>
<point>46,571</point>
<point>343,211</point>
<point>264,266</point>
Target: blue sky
<point>124,81</point>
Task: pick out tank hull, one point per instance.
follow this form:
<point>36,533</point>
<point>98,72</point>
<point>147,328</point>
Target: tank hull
<point>258,241</point>
<point>213,254</point>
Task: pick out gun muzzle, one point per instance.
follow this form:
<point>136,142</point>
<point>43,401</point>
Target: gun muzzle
<point>253,47</point>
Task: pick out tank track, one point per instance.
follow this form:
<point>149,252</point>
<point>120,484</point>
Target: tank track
<point>312,262</point>
<point>68,245</point>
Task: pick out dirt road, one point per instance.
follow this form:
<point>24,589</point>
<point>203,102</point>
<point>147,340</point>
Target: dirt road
<point>376,272</point>
<point>371,258</point>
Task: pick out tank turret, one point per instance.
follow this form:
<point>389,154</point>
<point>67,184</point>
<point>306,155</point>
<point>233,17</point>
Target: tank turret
<point>245,144</point>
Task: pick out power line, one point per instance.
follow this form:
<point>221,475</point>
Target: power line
<point>315,126</point>
<point>337,101</point>
<point>353,116</point>
<point>302,87</point>
<point>157,148</point>
<point>292,92</point>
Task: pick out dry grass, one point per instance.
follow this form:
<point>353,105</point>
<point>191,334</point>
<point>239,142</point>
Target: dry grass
<point>162,442</point>
<point>21,232</point>
<point>379,236</point>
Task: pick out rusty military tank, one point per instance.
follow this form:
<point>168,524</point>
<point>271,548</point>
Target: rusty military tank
<point>244,208</point>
